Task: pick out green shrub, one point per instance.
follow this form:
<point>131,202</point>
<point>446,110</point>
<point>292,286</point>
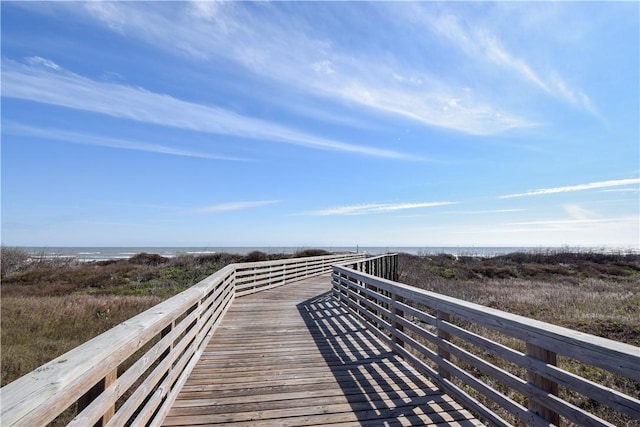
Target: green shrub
<point>148,259</point>
<point>311,252</point>
<point>255,256</point>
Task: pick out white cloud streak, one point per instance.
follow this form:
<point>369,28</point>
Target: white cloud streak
<point>580,187</point>
<point>77,92</point>
<point>565,222</point>
<point>288,52</point>
<point>622,190</point>
<point>125,144</point>
<point>436,106</point>
<point>39,61</point>
<point>234,206</point>
<point>372,208</point>
<point>485,212</point>
<point>577,212</point>
<point>481,45</point>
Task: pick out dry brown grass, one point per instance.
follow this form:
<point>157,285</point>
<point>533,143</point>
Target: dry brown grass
<point>38,329</point>
<point>593,293</point>
<point>51,305</point>
<point>598,298</point>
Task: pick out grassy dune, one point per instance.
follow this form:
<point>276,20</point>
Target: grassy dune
<point>51,306</point>
<point>593,293</point>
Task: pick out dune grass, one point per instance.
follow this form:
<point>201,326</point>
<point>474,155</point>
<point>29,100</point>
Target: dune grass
<point>593,293</point>
<point>36,329</point>
<point>50,305</point>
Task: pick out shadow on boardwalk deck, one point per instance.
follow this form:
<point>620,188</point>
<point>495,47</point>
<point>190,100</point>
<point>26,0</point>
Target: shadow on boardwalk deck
<point>291,356</point>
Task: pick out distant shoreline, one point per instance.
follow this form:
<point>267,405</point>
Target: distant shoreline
<point>101,253</point>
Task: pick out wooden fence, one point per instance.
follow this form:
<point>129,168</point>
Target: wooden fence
<point>455,343</point>
<point>131,374</point>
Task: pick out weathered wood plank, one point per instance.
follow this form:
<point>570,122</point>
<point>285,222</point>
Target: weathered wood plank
<point>212,407</point>
<point>361,408</point>
<point>611,355</point>
<point>354,290</point>
<point>231,397</point>
<point>379,365</point>
<point>292,356</point>
<point>39,396</point>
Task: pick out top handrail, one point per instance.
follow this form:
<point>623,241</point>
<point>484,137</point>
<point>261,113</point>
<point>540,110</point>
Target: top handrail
<point>447,340</point>
<point>172,334</point>
<point>602,352</point>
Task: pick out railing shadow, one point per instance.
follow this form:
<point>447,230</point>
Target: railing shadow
<point>379,387</point>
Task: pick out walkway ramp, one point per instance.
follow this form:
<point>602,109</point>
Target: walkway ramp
<point>291,356</point>
<point>273,344</point>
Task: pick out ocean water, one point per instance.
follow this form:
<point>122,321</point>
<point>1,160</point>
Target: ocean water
<point>106,253</point>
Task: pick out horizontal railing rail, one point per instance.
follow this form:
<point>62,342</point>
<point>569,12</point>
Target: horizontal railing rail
<point>382,266</point>
<point>456,344</point>
<point>259,276</point>
<point>131,374</point>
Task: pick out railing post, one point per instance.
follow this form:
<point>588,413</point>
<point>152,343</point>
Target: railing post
<point>93,394</point>
<point>389,268</point>
<point>344,296</point>
<point>359,296</point>
<point>543,383</point>
<point>397,312</point>
<point>395,268</point>
<point>334,285</point>
<point>443,317</point>
<point>163,334</point>
<point>370,298</point>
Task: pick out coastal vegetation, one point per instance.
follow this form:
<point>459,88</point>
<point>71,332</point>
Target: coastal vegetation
<point>51,305</point>
<point>591,292</point>
<point>595,293</point>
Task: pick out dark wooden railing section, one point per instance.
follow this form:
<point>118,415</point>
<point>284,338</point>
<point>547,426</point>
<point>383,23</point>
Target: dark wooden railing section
<point>156,351</point>
<point>454,344</point>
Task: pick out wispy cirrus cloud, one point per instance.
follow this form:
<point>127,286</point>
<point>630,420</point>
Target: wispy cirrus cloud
<point>485,212</point>
<point>67,89</point>
<point>372,208</point>
<point>286,50</point>
<point>622,190</point>
<point>13,128</point>
<point>578,212</point>
<point>570,188</point>
<point>234,206</point>
<point>484,46</point>
<point>565,222</point>
<point>39,61</point>
<point>435,105</point>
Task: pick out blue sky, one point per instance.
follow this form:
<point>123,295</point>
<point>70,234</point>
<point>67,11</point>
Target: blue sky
<point>320,124</point>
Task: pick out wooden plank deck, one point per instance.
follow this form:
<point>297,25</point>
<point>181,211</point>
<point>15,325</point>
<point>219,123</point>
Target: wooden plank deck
<point>291,356</point>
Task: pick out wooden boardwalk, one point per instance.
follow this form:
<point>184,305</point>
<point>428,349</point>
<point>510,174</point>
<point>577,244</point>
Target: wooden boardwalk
<point>291,356</point>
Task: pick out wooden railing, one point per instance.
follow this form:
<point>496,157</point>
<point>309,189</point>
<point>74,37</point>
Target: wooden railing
<point>131,374</point>
<point>455,343</point>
